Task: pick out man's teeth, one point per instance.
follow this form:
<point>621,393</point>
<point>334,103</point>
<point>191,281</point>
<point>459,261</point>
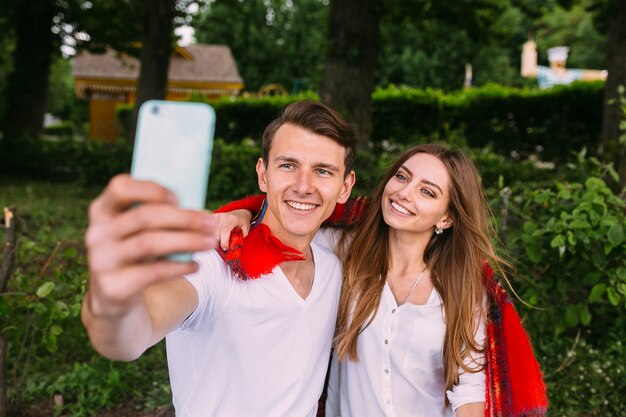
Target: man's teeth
<point>400,208</point>
<point>301,206</point>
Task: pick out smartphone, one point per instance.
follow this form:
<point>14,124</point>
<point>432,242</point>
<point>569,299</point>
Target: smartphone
<point>173,145</point>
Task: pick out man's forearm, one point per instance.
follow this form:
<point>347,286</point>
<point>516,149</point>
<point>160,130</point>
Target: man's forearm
<point>123,336</point>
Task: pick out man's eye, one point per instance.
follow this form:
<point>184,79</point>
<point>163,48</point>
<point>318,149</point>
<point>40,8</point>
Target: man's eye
<point>286,166</point>
<point>323,171</point>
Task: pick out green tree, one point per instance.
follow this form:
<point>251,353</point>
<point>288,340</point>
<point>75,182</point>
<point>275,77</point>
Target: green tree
<point>351,61</point>
<point>614,109</point>
<point>27,84</point>
<point>276,41</point>
<point>355,37</point>
<point>40,28</point>
<point>61,94</point>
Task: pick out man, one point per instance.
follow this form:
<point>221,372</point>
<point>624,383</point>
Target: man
<point>235,348</point>
<point>557,73</point>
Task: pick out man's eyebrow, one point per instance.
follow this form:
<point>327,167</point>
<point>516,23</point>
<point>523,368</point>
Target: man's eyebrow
<point>423,180</point>
<point>328,167</point>
<point>281,158</point>
<point>323,165</point>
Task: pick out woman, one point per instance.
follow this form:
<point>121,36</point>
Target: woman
<point>423,328</point>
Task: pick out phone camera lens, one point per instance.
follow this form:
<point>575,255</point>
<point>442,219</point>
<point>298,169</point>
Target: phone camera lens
<point>155,110</point>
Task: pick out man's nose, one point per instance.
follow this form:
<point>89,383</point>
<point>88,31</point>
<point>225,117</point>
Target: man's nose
<point>304,183</point>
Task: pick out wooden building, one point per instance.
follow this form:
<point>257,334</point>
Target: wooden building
<point>109,79</point>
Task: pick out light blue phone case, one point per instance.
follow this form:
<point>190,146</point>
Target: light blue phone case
<point>173,147</point>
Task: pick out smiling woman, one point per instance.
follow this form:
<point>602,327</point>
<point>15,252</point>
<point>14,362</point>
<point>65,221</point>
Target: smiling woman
<point>417,318</point>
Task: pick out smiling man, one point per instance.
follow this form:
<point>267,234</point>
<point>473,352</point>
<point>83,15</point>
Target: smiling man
<point>235,348</point>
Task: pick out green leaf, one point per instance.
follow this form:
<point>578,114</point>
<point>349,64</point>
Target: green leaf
<point>613,296</point>
<point>534,253</point>
<point>44,290</point>
<point>596,293</point>
<point>594,183</point>
<point>565,194</point>
<point>579,224</point>
<point>592,278</point>
<point>558,241</point>
<point>616,234</point>
<point>621,273</point>
<point>585,315</point>
<point>529,227</point>
<point>56,330</point>
<point>571,316</point>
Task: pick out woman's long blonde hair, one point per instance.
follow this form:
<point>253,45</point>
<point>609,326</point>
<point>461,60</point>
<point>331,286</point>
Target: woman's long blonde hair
<point>455,259</point>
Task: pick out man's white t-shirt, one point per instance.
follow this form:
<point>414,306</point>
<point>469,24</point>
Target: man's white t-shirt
<point>254,348</point>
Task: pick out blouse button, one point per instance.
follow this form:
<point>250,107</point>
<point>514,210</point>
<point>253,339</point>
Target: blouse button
<point>386,371</point>
<point>393,311</point>
<point>386,341</point>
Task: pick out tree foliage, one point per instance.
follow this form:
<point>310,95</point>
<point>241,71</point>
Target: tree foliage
<point>277,41</point>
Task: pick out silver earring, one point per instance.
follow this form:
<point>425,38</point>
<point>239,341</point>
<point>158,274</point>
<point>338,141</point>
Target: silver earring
<point>438,231</point>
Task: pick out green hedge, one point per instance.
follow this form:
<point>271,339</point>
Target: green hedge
<point>94,163</point>
<point>557,121</point>
<point>549,122</point>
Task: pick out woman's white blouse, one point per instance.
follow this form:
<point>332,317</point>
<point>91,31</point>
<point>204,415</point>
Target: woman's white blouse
<point>400,367</point>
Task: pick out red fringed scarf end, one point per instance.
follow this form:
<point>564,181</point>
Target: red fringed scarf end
<point>257,254</point>
<point>514,382</point>
<point>260,252</point>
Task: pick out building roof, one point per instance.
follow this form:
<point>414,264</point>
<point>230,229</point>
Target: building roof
<point>200,69</point>
<point>201,63</point>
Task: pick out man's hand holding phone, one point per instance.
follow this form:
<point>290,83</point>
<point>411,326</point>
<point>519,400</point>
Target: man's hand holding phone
<point>144,228</point>
<point>133,226</point>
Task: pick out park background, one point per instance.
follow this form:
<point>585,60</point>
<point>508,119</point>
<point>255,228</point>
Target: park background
<point>552,162</point>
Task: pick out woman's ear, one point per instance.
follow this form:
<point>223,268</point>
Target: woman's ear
<point>445,223</point>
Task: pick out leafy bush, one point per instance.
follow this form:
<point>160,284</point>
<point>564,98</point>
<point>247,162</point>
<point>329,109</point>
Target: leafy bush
<point>573,241</point>
<point>47,348</point>
<point>585,377</point>
<point>233,172</point>
<point>566,233</point>
<point>61,129</point>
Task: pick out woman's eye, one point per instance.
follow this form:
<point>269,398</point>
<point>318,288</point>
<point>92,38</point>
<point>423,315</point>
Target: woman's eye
<point>428,192</point>
<point>401,177</point>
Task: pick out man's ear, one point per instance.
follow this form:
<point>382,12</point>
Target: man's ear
<point>260,172</point>
<point>346,189</point>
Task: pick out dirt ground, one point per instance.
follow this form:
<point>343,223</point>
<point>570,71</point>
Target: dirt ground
<point>126,410</point>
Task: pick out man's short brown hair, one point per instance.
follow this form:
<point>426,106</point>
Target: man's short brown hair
<point>318,118</point>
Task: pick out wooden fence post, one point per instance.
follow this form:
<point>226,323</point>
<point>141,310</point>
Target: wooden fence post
<point>10,240</point>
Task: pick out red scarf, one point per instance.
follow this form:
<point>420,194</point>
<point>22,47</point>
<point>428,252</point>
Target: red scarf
<point>260,252</point>
<point>514,384</point>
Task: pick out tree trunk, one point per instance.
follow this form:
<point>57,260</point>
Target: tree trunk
<point>155,54</point>
<point>613,114</point>
<point>5,271</point>
<point>27,86</point>
<point>3,377</point>
<point>348,80</point>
